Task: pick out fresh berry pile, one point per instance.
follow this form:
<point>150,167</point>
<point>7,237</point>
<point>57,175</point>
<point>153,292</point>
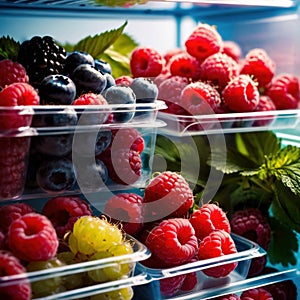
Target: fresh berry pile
<point>206,63</point>
<point>177,232</point>
<point>65,232</point>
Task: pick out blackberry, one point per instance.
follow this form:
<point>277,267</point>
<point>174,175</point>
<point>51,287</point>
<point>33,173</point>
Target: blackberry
<point>41,56</point>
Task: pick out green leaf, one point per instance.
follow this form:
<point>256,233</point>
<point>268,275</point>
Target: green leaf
<point>124,45</point>
<point>284,244</point>
<point>9,48</point>
<point>97,44</point>
<point>286,206</point>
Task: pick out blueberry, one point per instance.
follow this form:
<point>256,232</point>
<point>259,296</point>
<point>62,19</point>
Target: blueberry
<point>55,145</point>
<point>92,143</point>
<point>103,66</point>
<point>146,91</point>
<point>66,117</point>
<point>76,58</point>
<point>91,176</point>
<point>57,90</point>
<point>121,95</point>
<point>110,81</point>
<point>56,175</point>
<point>88,79</point>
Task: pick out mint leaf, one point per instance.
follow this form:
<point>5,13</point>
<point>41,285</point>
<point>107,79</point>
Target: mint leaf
<point>97,44</point>
<point>286,206</point>
<point>9,48</point>
<point>124,45</point>
<point>284,244</point>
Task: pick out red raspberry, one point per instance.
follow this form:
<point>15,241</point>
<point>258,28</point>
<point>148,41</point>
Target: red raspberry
<point>219,69</point>
<point>189,282</point>
<point>173,241</point>
<point>10,266</point>
<point>256,294</point>
<point>128,138</point>
<point>63,211</point>
<point>170,286</point>
<point>228,297</point>
<point>170,91</point>
<point>241,94</point>
<point>265,104</point>
<point>124,80</point>
<point>12,72</point>
<point>259,65</point>
<point>146,62</point>
<point>32,237</point>
<point>199,98</point>
<point>284,290</point>
<point>167,195</point>
<point>11,212</point>
<point>232,49</point>
<point>185,65</point>
<point>284,91</point>
<point>172,52</point>
<point>127,209</point>
<point>13,160</point>
<point>19,93</point>
<point>251,224</point>
<point>90,99</point>
<point>123,166</point>
<point>218,243</point>
<point>257,266</point>
<point>203,42</point>
<point>208,218</point>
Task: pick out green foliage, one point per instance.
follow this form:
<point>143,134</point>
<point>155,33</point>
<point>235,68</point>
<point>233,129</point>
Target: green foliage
<point>9,48</point>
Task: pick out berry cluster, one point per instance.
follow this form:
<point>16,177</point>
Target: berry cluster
<point>209,75</point>
<point>64,232</point>
<point>176,233</point>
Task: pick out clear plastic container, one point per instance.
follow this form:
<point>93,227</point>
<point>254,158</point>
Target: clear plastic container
<point>66,141</point>
<point>247,251</point>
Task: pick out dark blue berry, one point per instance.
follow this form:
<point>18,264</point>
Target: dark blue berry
<point>57,90</point>
<point>146,91</point>
<point>88,79</point>
<point>121,95</point>
<point>110,81</point>
<point>103,66</point>
<point>76,58</point>
<point>66,117</point>
<point>56,175</point>
<point>54,145</point>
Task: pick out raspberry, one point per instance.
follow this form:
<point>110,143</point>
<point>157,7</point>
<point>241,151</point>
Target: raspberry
<point>209,218</point>
<point>124,80</point>
<point>173,241</point>
<point>63,211</point>
<point>251,224</point>
<point>128,138</point>
<point>123,166</point>
<point>282,290</point>
<point>170,286</point>
<point>167,195</point>
<point>232,49</point>
<point>200,98</point>
<point>189,282</point>
<point>146,62</point>
<point>185,65</point>
<point>11,72</point>
<point>218,243</point>
<point>284,90</point>
<point>11,212</point>
<point>9,266</point>
<point>127,209</point>
<point>172,52</point>
<point>203,42</point>
<point>32,237</point>
<point>257,265</point>
<point>19,93</point>
<point>265,104</point>
<point>41,56</point>
<point>256,294</point>
<point>219,69</point>
<point>241,94</point>
<point>170,91</point>
<point>228,297</point>
<point>90,99</point>
<point>258,64</point>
